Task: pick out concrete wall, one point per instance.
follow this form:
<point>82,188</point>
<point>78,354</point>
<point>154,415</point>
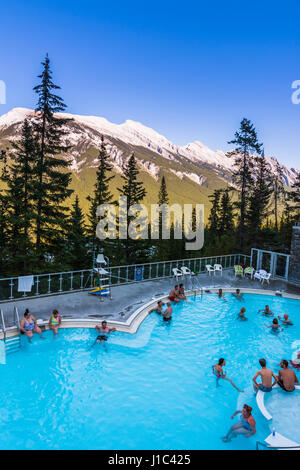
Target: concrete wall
<point>294,268</point>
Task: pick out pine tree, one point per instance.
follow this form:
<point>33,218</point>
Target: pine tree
<point>3,216</point>
<point>246,142</point>
<point>214,216</point>
<point>77,241</point>
<point>259,200</point>
<point>278,191</point>
<point>51,171</point>
<point>162,252</point>
<point>226,218</point>
<point>294,197</point>
<point>102,195</point>
<point>134,250</point>
<point>18,199</point>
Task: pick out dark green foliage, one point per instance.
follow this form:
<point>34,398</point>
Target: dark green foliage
<point>76,251</point>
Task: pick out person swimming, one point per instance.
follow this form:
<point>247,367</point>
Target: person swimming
<point>158,308</point>
<point>237,294</point>
<point>246,426</point>
<point>275,326</point>
<point>219,373</point>
<point>220,294</point>
<point>104,331</point>
<point>167,314</point>
<point>241,315</point>
<point>266,311</point>
<point>285,320</point>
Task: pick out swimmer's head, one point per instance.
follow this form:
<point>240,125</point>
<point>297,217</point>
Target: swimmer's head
<point>285,316</point>
<point>243,309</point>
<point>180,285</point>
<point>247,408</point>
<point>55,312</point>
<point>263,362</point>
<point>275,321</point>
<point>159,303</point>
<point>267,307</point>
<point>237,291</point>
<point>168,304</point>
<point>221,362</point>
<point>176,287</point>
<point>104,323</point>
<point>284,363</point>
<point>26,313</point>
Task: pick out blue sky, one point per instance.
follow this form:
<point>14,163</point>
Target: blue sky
<point>191,70</point>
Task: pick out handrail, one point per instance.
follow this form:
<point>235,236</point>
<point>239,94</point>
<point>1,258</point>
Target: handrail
<point>3,328</point>
<point>260,443</point>
<point>17,319</point>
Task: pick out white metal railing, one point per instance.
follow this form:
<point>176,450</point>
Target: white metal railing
<point>2,325</point>
<point>55,283</point>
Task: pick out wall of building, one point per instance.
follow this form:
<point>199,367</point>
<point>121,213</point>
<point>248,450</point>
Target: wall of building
<point>294,268</point>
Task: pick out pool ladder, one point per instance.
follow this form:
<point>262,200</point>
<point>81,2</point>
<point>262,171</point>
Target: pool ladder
<point>13,343</point>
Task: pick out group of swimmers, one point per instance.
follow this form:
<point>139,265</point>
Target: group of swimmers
<point>28,324</point>
<point>286,379</point>
<point>176,295</point>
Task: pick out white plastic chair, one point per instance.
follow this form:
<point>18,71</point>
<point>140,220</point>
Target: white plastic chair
<point>186,271</point>
<point>100,259</point>
<point>265,277</point>
<point>258,275</point>
<point>209,269</point>
<point>177,273</point>
<point>218,268</point>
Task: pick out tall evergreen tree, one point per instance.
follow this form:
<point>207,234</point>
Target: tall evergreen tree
<point>134,250</point>
<point>162,245</point>
<point>76,240</point>
<point>294,198</point>
<point>246,142</point>
<point>259,200</point>
<point>278,191</point>
<point>102,195</point>
<point>18,198</point>
<point>226,218</point>
<point>51,172</point>
<point>214,215</point>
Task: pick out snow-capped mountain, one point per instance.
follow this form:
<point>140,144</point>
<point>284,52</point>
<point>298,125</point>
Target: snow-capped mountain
<point>194,163</point>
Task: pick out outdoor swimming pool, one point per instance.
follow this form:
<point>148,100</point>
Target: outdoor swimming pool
<point>152,390</point>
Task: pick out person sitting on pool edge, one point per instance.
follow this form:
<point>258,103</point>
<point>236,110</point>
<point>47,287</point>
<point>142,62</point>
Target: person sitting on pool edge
<point>287,377</point>
<point>237,294</point>
<point>167,314</point>
<point>174,294</point>
<point>296,362</point>
<point>220,294</point>
<point>266,311</point>
<point>181,293</point>
<point>220,374</point>
<point>104,331</point>
<point>158,308</point>
<point>241,315</point>
<point>275,326</point>
<point>28,326</point>
<point>285,320</point>
<point>266,384</point>
<point>246,426</point>
<point>54,322</point>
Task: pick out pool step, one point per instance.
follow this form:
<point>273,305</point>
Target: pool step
<point>12,344</point>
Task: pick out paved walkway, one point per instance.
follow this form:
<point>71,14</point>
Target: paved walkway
<point>126,298</point>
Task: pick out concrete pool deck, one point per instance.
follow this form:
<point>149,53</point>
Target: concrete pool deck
<point>127,298</point>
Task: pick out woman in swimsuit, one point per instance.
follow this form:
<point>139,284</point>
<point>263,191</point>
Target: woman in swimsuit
<point>54,322</point>
<point>275,326</point>
<point>241,315</point>
<point>219,373</point>
<point>28,326</point>
<point>246,426</point>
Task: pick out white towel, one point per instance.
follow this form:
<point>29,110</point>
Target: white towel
<point>25,283</point>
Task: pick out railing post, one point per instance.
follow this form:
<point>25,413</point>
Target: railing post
<point>150,271</point>
<point>71,281</point>
<point>60,283</point>
<point>11,289</point>
<point>81,279</point>
<point>49,284</point>
<point>37,285</point>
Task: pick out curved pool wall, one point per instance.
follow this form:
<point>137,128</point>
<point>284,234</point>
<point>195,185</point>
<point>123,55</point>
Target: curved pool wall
<point>132,324</point>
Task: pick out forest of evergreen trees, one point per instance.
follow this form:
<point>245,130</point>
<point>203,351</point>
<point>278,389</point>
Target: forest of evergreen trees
<point>40,232</point>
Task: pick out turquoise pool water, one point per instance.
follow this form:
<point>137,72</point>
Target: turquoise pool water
<point>152,390</point>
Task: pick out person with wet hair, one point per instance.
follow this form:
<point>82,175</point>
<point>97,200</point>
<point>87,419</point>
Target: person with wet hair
<point>220,374</point>
<point>287,377</point>
<point>275,326</point>
<point>246,426</point>
<point>266,375</point>
<point>28,326</point>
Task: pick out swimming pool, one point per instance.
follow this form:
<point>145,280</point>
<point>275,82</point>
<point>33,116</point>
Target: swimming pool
<point>151,390</point>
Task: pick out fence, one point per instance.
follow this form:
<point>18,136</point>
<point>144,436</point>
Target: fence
<point>55,283</point>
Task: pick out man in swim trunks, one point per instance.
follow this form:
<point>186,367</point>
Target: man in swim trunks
<point>287,377</point>
<point>266,384</point>
<point>104,331</point>
<point>285,320</point>
<point>157,309</point>
<point>246,426</point>
<point>28,326</point>
<point>220,374</point>
<point>167,314</point>
<point>174,294</point>
<point>237,294</point>
<point>266,311</point>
